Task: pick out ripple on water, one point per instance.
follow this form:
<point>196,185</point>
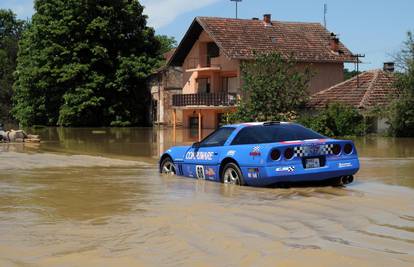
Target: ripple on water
<point>22,161</point>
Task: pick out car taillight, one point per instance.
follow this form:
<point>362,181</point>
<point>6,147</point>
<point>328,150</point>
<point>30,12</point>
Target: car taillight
<point>348,148</point>
<point>289,153</point>
<point>336,149</point>
<point>275,154</point>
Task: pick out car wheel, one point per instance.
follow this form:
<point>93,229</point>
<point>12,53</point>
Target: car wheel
<point>232,175</point>
<point>168,167</point>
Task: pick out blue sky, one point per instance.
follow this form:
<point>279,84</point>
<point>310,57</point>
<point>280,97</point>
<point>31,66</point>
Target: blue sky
<point>375,28</point>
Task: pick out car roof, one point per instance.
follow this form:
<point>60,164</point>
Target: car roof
<point>248,124</point>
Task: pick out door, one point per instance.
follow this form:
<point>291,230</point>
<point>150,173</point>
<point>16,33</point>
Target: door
<point>203,85</point>
<point>193,122</point>
<point>202,159</point>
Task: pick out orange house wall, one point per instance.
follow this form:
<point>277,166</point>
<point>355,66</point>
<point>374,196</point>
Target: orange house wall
<point>208,118</point>
<point>324,76</point>
<point>198,51</point>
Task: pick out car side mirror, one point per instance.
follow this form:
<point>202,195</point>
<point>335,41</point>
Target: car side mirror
<point>196,145</point>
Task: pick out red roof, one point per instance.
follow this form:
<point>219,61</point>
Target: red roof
<point>370,89</point>
<point>240,38</point>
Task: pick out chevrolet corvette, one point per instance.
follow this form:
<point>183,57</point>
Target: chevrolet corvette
<point>264,154</point>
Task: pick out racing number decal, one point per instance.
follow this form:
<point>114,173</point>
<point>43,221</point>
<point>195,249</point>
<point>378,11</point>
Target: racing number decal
<point>200,172</point>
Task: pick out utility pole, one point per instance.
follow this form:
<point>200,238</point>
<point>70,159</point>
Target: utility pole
<point>358,56</point>
<point>237,7</point>
<point>325,11</point>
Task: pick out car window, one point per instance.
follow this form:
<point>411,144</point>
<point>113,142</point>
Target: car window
<point>217,138</point>
<point>261,134</point>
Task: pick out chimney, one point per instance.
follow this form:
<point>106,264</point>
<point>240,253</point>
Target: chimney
<point>389,66</point>
<point>334,42</point>
<point>255,18</point>
<point>267,19</point>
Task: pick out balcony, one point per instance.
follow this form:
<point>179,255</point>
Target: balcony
<point>204,63</point>
<point>204,99</point>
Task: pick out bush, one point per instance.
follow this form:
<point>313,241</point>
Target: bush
<point>400,113</point>
<point>336,120</point>
<point>401,117</point>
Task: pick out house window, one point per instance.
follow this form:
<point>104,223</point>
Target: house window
<point>220,120</point>
<point>212,51</point>
<point>230,85</point>
<point>203,85</point>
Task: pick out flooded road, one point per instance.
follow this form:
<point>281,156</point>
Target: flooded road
<point>93,197</point>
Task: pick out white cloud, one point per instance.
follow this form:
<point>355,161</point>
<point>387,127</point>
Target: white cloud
<point>160,12</point>
<point>23,8</point>
<point>163,12</point>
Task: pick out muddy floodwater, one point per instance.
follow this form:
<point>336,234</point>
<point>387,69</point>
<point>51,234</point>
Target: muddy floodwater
<point>93,197</point>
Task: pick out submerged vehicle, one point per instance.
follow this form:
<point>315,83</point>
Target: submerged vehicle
<point>264,154</point>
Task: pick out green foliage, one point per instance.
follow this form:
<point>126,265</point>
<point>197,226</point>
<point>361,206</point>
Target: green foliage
<point>401,117</point>
<point>10,32</point>
<point>401,110</point>
<point>336,120</point>
<point>273,89</point>
<point>167,43</point>
<point>348,74</point>
<point>404,58</point>
<point>85,63</point>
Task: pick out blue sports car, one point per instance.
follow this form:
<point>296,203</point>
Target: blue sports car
<point>264,154</point>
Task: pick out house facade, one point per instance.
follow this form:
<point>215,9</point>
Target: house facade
<point>163,84</point>
<point>213,49</point>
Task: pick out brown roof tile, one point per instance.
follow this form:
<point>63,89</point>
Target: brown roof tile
<point>375,88</point>
<point>239,38</point>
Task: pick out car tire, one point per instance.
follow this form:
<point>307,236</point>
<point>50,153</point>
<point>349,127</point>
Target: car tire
<point>232,175</point>
<point>167,166</point>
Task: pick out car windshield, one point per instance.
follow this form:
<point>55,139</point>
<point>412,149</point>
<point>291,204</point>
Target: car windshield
<point>217,138</point>
<point>262,134</point>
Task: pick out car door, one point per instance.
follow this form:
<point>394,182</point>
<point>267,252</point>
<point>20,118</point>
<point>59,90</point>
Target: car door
<point>202,159</point>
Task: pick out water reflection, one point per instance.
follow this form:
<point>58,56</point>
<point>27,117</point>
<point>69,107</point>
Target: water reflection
<point>124,142</point>
<point>385,147</point>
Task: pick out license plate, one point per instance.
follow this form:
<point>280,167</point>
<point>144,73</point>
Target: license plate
<point>312,163</point>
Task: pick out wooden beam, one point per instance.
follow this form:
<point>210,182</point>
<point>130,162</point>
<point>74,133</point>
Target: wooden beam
<point>174,136</point>
<point>174,118</point>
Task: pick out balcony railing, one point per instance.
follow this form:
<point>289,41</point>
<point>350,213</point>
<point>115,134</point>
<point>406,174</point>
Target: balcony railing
<point>205,61</point>
<point>204,99</point>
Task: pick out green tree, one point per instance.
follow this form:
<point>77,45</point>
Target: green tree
<point>401,110</point>
<point>336,120</point>
<point>348,74</point>
<point>273,89</point>
<point>167,43</point>
<point>10,33</point>
<point>85,63</point>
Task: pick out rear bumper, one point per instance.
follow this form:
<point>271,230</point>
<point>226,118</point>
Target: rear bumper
<point>296,173</point>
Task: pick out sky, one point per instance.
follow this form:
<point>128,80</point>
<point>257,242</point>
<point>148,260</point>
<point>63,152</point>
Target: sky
<point>375,28</point>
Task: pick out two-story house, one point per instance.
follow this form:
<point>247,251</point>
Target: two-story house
<point>213,49</point>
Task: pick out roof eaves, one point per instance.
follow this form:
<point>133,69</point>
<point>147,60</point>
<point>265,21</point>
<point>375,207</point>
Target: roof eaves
<point>176,51</point>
